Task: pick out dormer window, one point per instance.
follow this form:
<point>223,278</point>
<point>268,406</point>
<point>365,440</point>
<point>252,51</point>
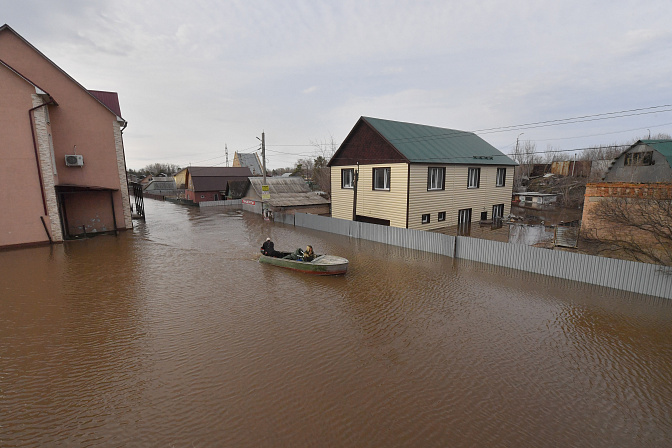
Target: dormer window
<point>639,158</point>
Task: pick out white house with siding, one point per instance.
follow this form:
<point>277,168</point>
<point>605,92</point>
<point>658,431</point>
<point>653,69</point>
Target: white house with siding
<point>418,177</point>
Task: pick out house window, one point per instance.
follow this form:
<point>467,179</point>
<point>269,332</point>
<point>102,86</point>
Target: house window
<point>484,216</point>
<point>442,216</point>
<point>498,211</point>
<point>474,178</point>
<point>435,178</point>
<point>348,178</point>
<point>501,177</point>
<point>425,218</point>
<point>639,158</point>
<point>381,178</point>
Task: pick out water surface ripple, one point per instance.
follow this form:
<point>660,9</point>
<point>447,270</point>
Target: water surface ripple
<point>174,335</point>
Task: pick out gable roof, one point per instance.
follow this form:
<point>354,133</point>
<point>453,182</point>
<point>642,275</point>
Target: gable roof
<point>662,146</point>
<point>215,178</point>
<point>8,28</point>
<point>219,171</point>
<point>109,99</point>
<point>418,143</point>
<point>287,191</point>
<point>251,161</point>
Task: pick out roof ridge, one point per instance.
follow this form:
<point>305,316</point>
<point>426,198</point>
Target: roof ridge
<point>10,29</point>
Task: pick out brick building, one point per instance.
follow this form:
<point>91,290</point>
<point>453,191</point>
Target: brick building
<point>632,205</point>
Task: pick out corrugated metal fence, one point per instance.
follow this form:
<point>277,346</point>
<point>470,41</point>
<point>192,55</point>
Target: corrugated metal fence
<point>412,239</point>
<point>216,203</point>
<point>630,276</point>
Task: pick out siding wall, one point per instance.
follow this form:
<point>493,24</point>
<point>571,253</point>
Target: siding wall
<point>372,203</point>
<point>456,195</point>
<point>341,198</point>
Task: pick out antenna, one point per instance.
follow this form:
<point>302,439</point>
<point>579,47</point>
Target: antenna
<point>226,152</point>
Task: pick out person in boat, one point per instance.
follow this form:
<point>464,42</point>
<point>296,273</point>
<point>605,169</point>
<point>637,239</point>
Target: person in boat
<point>302,255</point>
<point>268,249</point>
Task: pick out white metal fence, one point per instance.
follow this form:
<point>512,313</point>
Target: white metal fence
<point>216,203</point>
<point>630,276</point>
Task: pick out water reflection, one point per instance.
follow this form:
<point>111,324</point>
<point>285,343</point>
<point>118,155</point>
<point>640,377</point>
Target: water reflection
<point>174,334</point>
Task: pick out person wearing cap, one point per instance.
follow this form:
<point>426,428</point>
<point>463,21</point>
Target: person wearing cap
<point>268,249</point>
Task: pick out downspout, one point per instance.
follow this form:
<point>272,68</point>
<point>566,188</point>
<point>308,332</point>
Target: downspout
<point>354,201</point>
<point>408,192</point>
<point>37,155</point>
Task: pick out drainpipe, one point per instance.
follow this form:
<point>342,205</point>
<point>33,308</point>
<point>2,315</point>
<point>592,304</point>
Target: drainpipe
<point>37,153</point>
<point>354,200</point>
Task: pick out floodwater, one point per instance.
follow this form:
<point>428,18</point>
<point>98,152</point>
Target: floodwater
<point>174,335</point>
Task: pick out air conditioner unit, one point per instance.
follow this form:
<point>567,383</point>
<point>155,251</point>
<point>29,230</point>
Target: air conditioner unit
<point>74,160</point>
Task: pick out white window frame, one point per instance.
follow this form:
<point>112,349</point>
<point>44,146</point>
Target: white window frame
<point>426,218</point>
<point>386,179</point>
<point>441,217</point>
<point>474,178</point>
<point>501,177</point>
<point>351,172</point>
<point>436,178</point>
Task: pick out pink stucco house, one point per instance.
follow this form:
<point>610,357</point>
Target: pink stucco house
<point>62,160</point>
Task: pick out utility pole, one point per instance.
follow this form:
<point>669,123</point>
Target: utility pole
<point>263,154</point>
<point>265,190</point>
<point>226,152</point>
<point>517,145</point>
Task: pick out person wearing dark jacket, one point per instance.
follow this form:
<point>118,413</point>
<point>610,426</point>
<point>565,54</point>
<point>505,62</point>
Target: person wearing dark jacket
<point>268,249</point>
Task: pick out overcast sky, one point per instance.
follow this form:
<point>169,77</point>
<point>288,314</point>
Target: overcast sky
<point>195,75</point>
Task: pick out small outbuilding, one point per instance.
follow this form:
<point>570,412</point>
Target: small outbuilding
<point>205,183</point>
<point>288,195</point>
<point>646,161</point>
<point>533,198</point>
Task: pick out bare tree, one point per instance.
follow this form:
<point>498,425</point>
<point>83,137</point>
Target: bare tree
<point>525,153</point>
<point>321,172</point>
<point>603,152</point>
<point>633,228</point>
<point>156,169</point>
<point>304,168</point>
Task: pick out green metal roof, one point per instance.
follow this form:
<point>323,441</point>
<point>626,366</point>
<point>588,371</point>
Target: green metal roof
<point>429,144</point>
<point>662,146</point>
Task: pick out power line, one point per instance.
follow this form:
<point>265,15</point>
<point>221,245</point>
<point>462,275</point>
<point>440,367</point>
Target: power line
<point>457,133</point>
<point>453,133</point>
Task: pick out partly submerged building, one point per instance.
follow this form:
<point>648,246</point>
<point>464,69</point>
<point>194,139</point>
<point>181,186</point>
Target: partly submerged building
<point>418,177</point>
<point>62,158</point>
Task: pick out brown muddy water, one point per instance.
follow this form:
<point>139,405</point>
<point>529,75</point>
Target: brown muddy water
<point>174,335</point>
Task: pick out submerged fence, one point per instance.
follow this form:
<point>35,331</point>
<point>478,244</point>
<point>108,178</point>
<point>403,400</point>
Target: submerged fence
<point>625,275</point>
